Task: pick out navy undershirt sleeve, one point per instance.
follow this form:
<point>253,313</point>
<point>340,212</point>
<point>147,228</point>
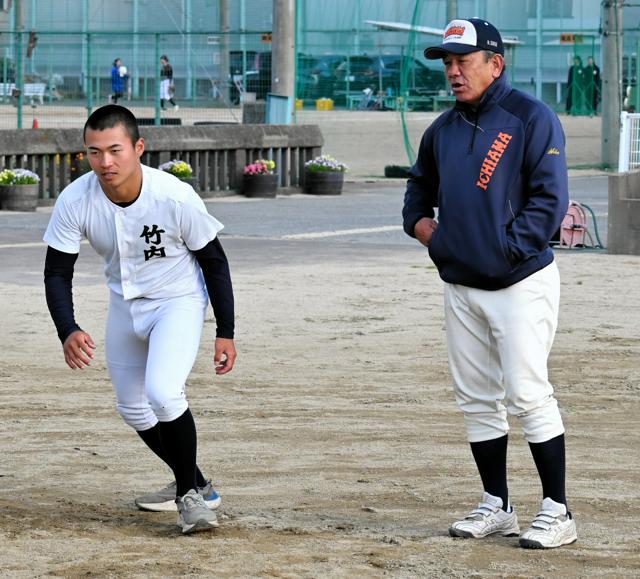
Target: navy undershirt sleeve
<point>215,268</point>
<point>58,274</point>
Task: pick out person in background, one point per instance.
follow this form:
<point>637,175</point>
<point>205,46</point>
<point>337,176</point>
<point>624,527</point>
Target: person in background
<point>118,81</point>
<point>575,87</point>
<point>593,85</point>
<point>166,82</point>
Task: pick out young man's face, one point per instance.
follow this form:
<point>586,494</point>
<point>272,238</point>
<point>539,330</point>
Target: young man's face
<point>113,157</point>
<point>471,74</point>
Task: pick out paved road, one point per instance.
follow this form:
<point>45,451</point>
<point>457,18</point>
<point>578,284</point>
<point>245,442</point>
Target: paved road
<point>366,213</point>
<point>363,221</point>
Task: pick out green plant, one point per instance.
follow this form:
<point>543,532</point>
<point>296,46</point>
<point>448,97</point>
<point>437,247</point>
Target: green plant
<point>327,164</point>
<point>18,177</point>
<point>180,169</point>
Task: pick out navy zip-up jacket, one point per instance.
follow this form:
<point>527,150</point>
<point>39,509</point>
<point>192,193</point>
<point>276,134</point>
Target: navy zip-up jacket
<point>498,175</point>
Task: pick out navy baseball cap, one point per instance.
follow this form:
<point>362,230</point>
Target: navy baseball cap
<point>466,36</point>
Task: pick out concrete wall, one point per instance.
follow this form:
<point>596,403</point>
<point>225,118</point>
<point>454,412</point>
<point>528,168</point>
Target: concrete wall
<point>624,213</point>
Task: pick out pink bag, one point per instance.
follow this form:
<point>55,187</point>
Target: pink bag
<point>574,226</point>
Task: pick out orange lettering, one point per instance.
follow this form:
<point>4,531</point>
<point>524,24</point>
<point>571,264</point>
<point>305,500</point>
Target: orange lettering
<point>487,169</point>
<point>490,163</point>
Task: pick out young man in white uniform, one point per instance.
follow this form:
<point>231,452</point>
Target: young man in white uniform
<point>161,255</point>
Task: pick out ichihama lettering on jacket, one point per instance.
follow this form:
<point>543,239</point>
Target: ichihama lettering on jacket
<point>490,163</point>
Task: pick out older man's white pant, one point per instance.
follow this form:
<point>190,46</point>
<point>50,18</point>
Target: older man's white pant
<point>499,343</point>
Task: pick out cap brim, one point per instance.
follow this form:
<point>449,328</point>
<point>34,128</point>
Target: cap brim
<point>435,52</point>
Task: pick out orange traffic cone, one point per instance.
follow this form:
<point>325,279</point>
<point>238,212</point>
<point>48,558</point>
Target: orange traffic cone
<point>35,123</point>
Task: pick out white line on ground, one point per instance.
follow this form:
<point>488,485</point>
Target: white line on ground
<point>336,233</point>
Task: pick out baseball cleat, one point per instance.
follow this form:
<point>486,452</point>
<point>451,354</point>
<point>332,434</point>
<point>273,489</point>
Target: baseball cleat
<point>193,513</point>
<point>164,500</point>
<point>552,527</point>
<point>487,519</point>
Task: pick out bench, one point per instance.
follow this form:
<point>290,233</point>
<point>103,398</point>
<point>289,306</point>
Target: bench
<point>354,100</point>
<point>35,89</point>
<point>6,90</point>
<point>446,100</point>
<point>30,89</point>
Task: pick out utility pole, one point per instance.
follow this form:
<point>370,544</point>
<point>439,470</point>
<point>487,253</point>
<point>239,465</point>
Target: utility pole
<point>611,80</point>
<point>19,27</point>
<point>452,10</point>
<point>225,68</point>
<point>283,48</point>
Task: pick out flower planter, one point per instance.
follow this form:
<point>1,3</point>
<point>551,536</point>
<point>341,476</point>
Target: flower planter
<point>323,182</point>
<point>193,181</point>
<point>261,185</point>
<point>19,197</point>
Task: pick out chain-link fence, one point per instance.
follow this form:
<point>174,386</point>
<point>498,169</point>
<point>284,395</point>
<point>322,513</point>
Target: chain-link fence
<point>50,88</point>
<point>343,60</point>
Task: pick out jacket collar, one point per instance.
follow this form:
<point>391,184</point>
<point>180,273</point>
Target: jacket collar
<point>496,91</point>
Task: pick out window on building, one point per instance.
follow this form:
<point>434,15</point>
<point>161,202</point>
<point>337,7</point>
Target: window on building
<point>551,8</point>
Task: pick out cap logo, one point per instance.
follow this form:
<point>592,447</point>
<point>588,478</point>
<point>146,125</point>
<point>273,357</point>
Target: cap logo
<point>454,30</point>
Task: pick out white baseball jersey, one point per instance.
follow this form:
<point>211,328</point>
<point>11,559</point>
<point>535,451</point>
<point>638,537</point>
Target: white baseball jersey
<point>146,246</point>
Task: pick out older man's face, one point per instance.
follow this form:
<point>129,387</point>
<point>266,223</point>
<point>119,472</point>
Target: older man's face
<point>471,74</point>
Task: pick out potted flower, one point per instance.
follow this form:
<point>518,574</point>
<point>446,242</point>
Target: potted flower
<point>19,190</point>
<point>324,175</point>
<point>259,179</point>
<point>182,170</point>
<point>79,165</point>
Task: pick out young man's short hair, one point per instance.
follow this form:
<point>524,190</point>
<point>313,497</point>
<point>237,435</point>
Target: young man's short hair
<point>109,116</point>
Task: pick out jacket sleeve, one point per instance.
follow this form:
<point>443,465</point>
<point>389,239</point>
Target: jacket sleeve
<point>545,173</point>
<point>421,195</point>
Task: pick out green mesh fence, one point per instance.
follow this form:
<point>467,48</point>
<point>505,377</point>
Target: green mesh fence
<point>342,60</point>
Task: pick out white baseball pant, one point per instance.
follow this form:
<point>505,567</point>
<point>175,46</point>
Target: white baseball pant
<point>164,89</point>
<point>499,344</point>
<point>151,346</point>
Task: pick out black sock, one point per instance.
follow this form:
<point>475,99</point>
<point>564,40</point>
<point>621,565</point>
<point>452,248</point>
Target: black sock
<point>151,438</point>
<point>549,457</point>
<point>161,103</point>
<point>491,460</point>
<point>179,441</point>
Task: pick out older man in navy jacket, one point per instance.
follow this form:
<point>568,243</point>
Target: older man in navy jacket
<point>495,167</point>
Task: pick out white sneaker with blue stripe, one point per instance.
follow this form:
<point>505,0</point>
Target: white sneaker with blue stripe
<point>164,500</point>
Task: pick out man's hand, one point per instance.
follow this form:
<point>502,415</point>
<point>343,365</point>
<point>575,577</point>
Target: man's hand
<point>77,350</point>
<point>424,230</point>
<point>225,355</point>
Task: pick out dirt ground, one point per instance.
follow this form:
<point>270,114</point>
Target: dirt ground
<point>335,443</point>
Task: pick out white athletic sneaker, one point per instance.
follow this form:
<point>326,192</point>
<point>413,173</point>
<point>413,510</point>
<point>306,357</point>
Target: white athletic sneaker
<point>176,107</point>
<point>487,519</point>
<point>552,527</point>
<point>193,513</point>
<point>165,499</point>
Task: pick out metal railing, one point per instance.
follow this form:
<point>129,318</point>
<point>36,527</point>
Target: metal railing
<point>217,154</point>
